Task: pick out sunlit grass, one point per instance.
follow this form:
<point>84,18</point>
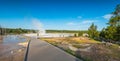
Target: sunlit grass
<point>98,52</point>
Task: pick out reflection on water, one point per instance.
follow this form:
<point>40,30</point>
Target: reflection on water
<point>9,47</point>
<point>10,39</point>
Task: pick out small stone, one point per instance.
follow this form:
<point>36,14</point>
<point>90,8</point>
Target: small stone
<point>119,46</point>
<point>19,50</point>
<point>11,52</point>
<point>73,48</point>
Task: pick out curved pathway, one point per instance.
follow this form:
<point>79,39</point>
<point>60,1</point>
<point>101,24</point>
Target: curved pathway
<point>43,51</point>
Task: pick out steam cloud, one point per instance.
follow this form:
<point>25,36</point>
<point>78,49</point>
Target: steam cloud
<point>39,26</point>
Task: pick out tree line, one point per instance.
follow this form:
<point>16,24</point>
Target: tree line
<point>112,32</point>
<point>4,31</point>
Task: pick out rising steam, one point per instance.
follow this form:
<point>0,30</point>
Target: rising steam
<point>39,26</point>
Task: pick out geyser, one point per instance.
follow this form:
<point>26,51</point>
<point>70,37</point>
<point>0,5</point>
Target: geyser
<point>41,31</point>
<point>39,26</point>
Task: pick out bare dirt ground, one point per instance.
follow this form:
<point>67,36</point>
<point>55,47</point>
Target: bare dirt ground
<point>86,48</point>
<point>13,56</point>
<point>7,53</point>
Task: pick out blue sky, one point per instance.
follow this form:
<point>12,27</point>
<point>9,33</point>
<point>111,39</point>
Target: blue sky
<point>56,14</point>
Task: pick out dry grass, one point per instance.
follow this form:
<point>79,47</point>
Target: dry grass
<point>76,40</point>
<point>88,49</point>
<point>84,40</point>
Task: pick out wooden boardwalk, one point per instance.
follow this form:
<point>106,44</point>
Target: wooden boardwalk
<point>42,51</point>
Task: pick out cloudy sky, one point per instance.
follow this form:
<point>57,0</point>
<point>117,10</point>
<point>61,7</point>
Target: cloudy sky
<point>56,14</point>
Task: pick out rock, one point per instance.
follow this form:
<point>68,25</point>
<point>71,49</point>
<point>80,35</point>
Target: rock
<point>85,49</point>
<point>19,50</point>
<point>119,47</point>
<point>85,44</point>
<point>108,44</point>
<point>11,52</point>
<point>73,48</point>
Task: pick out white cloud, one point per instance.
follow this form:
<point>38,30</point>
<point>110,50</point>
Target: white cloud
<point>88,21</point>
<point>79,17</point>
<point>83,22</point>
<point>71,23</point>
<point>107,16</point>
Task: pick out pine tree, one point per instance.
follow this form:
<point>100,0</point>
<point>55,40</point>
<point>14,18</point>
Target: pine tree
<point>92,31</point>
<point>112,32</point>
